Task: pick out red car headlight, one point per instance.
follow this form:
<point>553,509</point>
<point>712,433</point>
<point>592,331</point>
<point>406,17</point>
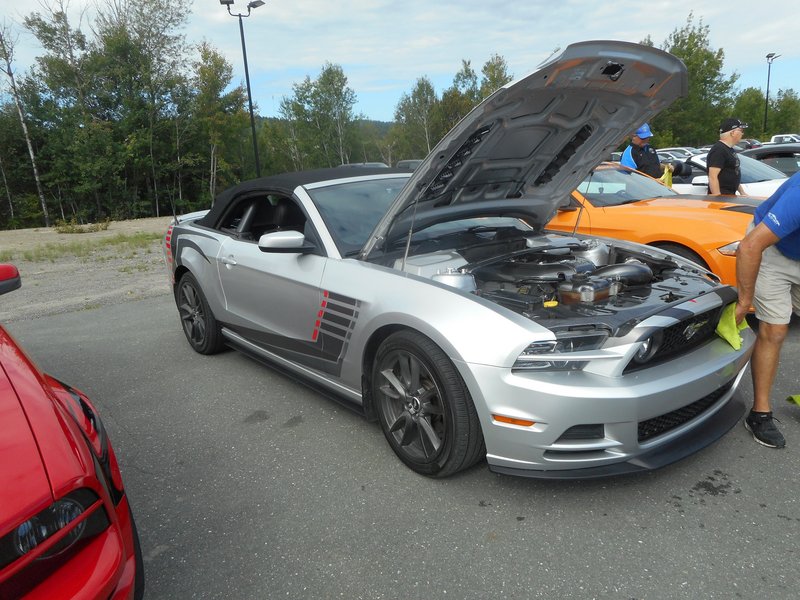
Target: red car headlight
<point>75,517</point>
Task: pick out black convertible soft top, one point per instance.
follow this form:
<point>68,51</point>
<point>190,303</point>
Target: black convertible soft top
<point>286,183</point>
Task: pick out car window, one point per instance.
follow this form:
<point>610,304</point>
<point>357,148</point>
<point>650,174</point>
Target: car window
<point>754,170</point>
<point>232,220</point>
<point>788,164</point>
<point>611,187</point>
<point>351,210</point>
<point>252,216</point>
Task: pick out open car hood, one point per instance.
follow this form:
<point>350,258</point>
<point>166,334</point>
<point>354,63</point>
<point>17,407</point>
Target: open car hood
<point>528,145</point>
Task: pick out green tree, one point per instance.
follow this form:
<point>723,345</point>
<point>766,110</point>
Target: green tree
<point>784,115</point>
<point>274,136</point>
<point>457,100</point>
<point>465,92</point>
<point>332,106</point>
<point>322,125</point>
<point>80,149</point>
<point>297,110</point>
<point>694,119</point>
<point>219,116</point>
<point>415,119</point>
<point>6,67</point>
<point>151,28</point>
<point>749,107</point>
<point>466,82</point>
<point>495,75</point>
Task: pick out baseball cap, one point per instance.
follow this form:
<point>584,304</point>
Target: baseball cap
<point>731,124</point>
<point>644,131</point>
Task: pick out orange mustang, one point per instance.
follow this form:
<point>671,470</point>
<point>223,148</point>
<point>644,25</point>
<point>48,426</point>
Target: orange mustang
<point>617,202</point>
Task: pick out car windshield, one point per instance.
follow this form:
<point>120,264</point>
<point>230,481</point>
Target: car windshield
<point>483,228</point>
<point>612,187</point>
<point>351,210</point>
<point>463,233</point>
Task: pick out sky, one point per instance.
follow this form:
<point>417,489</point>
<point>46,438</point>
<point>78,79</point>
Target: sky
<point>383,47</point>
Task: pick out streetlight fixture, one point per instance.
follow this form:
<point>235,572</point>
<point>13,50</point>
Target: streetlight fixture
<point>250,6</point>
<point>770,57</point>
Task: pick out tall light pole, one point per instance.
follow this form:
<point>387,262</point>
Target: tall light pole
<point>250,7</point>
<point>770,57</point>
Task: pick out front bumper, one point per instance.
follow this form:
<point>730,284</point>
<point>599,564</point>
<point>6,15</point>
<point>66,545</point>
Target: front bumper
<point>588,425</point>
<point>665,454</point>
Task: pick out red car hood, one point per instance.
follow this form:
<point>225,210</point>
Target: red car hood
<point>42,453</point>
<point>25,488</point>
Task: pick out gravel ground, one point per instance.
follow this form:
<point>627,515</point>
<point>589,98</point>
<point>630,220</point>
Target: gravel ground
<point>109,275</point>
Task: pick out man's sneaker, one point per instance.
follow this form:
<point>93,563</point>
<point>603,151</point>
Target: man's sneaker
<point>763,429</point>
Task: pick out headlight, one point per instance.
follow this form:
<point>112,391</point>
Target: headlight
<point>59,516</point>
<point>729,249</point>
<point>36,530</point>
<point>565,353</point>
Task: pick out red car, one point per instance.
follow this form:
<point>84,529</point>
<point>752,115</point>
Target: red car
<point>66,529</point>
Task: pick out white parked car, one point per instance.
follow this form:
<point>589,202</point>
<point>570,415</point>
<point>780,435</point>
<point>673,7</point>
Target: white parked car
<point>758,179</point>
<point>784,138</point>
<point>681,152</point>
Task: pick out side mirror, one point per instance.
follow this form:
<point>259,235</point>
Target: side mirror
<point>681,169</point>
<point>567,205</point>
<point>9,278</point>
<point>286,242</point>
<point>700,180</point>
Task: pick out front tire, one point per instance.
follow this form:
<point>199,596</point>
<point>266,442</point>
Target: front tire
<point>138,585</point>
<point>424,407</point>
<point>684,252</point>
<point>202,331</point>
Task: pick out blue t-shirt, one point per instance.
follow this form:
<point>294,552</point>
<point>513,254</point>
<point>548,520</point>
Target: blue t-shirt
<point>627,158</point>
<point>781,213</point>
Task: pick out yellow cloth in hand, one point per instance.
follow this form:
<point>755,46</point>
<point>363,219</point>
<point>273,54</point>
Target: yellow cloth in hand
<point>666,178</point>
<point>727,328</point>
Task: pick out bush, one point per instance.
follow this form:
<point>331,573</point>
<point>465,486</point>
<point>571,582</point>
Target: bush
<point>72,226</point>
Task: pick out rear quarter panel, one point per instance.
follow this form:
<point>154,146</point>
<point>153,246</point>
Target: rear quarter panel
<point>196,249</point>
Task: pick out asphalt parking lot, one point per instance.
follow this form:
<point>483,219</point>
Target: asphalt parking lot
<point>246,484</point>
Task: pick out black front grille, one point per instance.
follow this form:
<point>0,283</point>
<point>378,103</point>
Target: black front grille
<point>663,423</point>
<point>682,337</point>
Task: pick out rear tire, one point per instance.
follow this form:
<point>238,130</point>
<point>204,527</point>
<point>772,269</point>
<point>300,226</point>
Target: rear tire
<point>424,408</point>
<point>202,331</point>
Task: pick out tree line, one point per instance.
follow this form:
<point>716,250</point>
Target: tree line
<point>121,118</point>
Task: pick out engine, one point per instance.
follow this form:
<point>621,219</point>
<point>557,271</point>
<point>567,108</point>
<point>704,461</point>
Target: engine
<point>556,278</point>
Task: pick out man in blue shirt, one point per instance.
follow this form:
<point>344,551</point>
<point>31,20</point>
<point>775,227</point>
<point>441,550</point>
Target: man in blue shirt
<point>768,277</point>
<point>640,155</point>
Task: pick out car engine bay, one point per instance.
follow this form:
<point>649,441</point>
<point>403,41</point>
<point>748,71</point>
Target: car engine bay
<point>558,280</point>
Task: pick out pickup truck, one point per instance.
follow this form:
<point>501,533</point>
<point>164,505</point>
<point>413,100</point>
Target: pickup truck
<point>783,138</point>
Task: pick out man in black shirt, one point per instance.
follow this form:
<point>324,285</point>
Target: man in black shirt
<point>724,176</point>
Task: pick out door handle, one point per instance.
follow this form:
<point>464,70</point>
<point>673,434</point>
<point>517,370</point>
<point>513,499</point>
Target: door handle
<point>228,260</point>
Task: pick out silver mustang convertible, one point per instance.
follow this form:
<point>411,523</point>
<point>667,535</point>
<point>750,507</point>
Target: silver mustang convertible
<point>436,302</point>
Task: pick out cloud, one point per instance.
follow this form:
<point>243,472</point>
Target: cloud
<point>384,47</point>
